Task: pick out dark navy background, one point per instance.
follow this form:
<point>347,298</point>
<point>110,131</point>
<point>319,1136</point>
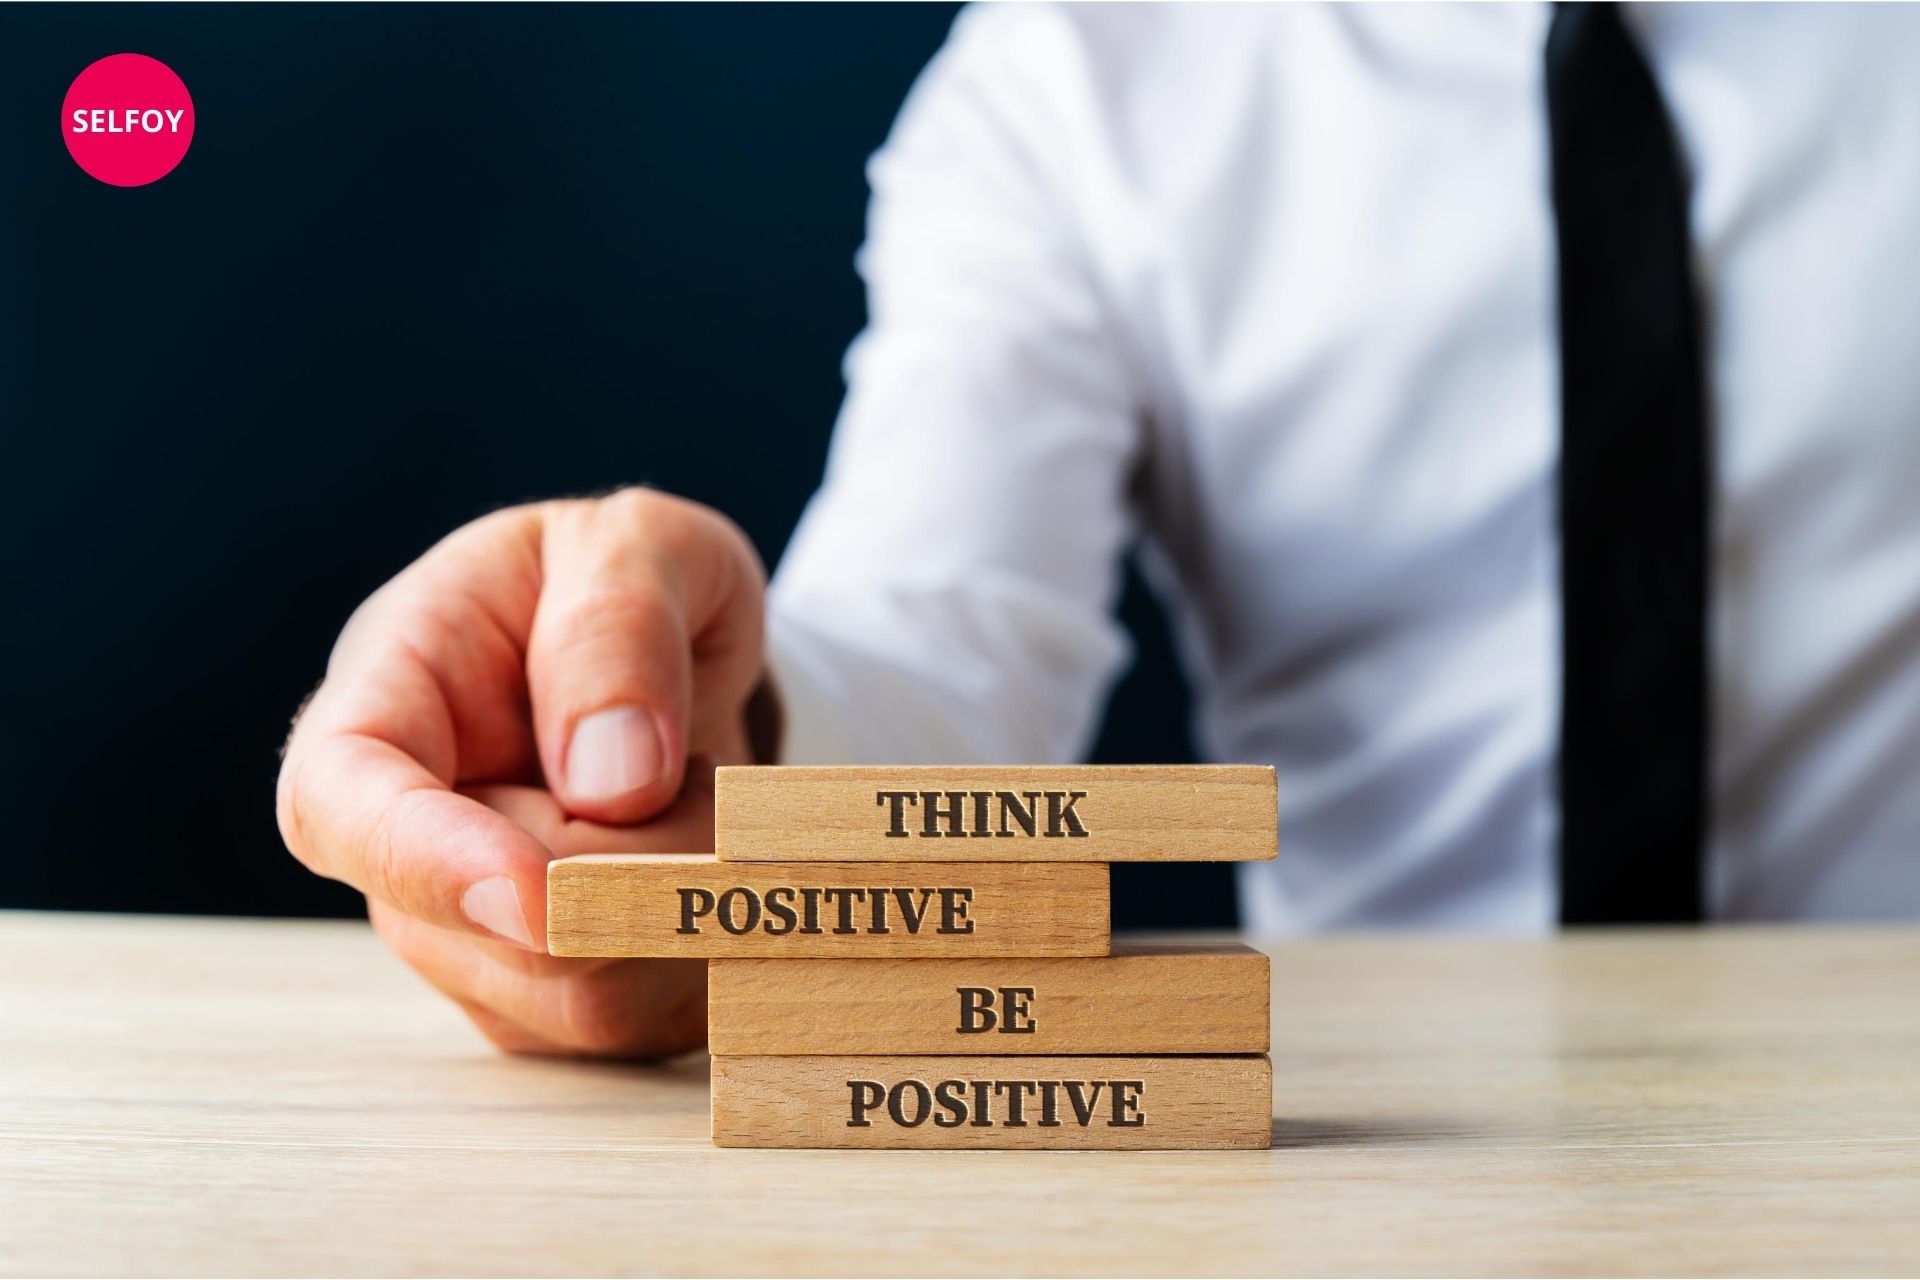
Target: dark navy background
<point>420,262</point>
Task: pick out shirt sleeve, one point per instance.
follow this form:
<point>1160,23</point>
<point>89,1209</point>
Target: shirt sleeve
<point>948,596</point>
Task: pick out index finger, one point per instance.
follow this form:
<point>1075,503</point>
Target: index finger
<point>429,672</point>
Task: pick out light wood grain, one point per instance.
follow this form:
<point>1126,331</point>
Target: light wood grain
<point>1144,998</point>
<point>1002,1104</point>
<point>691,905</point>
<point>194,1097</point>
<point>1034,813</point>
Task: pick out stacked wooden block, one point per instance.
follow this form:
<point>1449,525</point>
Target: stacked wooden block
<point>920,957</point>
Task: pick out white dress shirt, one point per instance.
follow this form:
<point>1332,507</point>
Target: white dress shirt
<point>1271,290</point>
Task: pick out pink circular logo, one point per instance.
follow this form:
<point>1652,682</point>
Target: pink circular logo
<point>127,120</point>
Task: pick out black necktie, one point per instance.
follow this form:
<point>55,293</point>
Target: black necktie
<point>1634,486</point>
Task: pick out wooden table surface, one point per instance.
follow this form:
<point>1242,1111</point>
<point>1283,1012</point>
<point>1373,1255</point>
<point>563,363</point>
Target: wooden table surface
<point>205,1097</point>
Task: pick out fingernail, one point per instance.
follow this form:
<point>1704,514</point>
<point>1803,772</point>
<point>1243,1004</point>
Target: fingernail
<point>494,905</point>
<point>613,752</point>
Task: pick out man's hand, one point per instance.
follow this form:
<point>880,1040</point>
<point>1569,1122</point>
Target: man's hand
<point>534,686</point>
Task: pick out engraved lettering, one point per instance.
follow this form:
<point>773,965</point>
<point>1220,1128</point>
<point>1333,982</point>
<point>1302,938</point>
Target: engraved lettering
<point>932,815</point>
<point>1016,1005</point>
<point>866,1095</point>
<point>784,909</point>
<point>982,829</point>
<point>1049,1104</point>
<point>952,1104</point>
<point>990,813</point>
<point>1060,810</point>
<point>982,1108</point>
<point>1083,1104</point>
<point>847,898</point>
<point>910,915</point>
<point>896,1103</point>
<point>780,908</point>
<point>1024,815</point>
<point>953,910</point>
<point>732,896</point>
<point>976,1010</point>
<point>951,1097</point>
<point>896,813</point>
<point>1016,1093</point>
<point>694,903</point>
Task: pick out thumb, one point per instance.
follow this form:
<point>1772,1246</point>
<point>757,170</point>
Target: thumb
<point>647,635</point>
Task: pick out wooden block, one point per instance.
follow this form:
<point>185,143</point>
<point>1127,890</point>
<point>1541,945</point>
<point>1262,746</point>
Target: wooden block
<point>1144,998</point>
<point>1041,813</point>
<point>1079,1103</point>
<point>693,905</point>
